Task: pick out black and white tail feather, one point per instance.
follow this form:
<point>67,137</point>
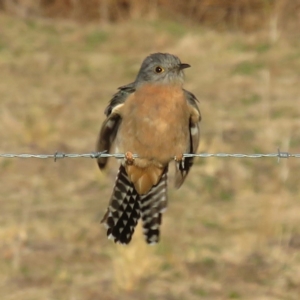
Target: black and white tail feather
<point>126,206</point>
<point>153,205</point>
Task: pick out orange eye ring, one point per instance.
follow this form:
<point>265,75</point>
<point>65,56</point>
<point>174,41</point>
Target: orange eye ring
<point>159,69</point>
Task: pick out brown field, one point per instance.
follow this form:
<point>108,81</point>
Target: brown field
<point>231,232</point>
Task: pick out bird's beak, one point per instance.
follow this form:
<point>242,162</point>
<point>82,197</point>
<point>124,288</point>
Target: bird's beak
<point>184,66</point>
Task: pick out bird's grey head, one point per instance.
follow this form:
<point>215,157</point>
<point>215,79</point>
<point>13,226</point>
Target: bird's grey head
<point>162,68</point>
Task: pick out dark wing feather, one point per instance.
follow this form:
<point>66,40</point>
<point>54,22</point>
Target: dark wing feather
<point>107,136</point>
<point>111,125</point>
<point>191,99</point>
<point>120,97</point>
<point>194,124</point>
<point>183,167</point>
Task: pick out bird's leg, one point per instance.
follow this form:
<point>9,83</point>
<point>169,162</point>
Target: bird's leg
<point>129,159</point>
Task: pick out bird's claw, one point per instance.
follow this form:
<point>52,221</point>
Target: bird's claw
<point>129,159</point>
<point>179,157</point>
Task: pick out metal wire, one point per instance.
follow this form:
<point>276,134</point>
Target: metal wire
<point>60,155</point>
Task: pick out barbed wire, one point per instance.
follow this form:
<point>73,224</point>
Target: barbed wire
<point>59,155</point>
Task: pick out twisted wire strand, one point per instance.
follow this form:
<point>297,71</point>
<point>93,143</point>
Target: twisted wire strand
<point>59,155</point>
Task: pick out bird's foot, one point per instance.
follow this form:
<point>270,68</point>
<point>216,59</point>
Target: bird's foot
<point>179,160</point>
<point>179,157</point>
<point>129,159</point>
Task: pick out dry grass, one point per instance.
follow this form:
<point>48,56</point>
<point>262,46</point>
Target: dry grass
<point>247,15</point>
<point>231,232</point>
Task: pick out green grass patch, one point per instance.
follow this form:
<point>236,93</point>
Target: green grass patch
<point>96,38</point>
<point>199,292</point>
<point>263,47</point>
<point>173,28</point>
<point>211,224</point>
<point>251,99</point>
<point>226,195</point>
<point>284,112</point>
<point>31,24</point>
<point>209,262</point>
<point>239,46</point>
<point>292,56</point>
<point>247,68</point>
<point>3,46</point>
<point>210,183</point>
<point>234,295</point>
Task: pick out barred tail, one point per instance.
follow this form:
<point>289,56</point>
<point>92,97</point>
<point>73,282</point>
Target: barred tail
<point>127,206</point>
<point>153,205</point>
<point>123,211</point>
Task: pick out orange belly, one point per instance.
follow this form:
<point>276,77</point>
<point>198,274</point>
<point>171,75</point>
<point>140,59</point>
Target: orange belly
<point>155,123</point>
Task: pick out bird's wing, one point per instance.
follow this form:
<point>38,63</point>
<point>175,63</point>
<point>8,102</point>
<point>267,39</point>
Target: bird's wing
<point>111,125</point>
<point>194,121</point>
<point>183,167</point>
<point>120,97</point>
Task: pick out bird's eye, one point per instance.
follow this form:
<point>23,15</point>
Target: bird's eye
<point>159,69</point>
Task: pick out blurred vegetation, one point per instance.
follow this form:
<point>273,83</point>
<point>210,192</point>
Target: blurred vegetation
<point>223,14</point>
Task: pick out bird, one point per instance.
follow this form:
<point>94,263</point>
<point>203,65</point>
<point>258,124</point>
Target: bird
<point>156,119</point>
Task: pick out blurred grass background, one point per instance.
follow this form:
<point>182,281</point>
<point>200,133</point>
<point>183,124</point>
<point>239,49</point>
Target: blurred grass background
<point>231,232</point>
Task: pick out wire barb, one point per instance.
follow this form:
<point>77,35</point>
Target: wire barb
<point>282,155</point>
<point>59,155</point>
